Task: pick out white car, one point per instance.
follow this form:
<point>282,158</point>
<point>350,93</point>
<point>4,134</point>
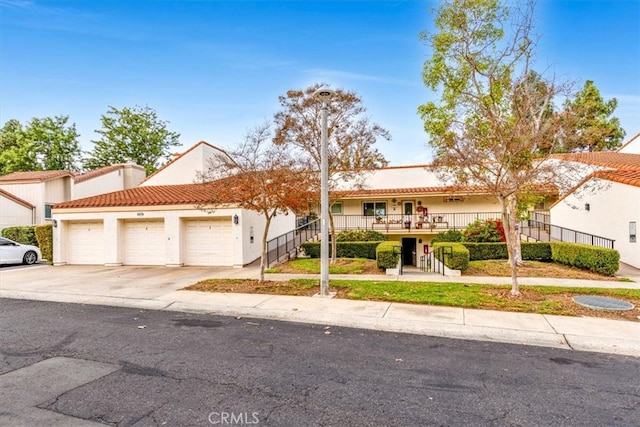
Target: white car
<point>16,253</point>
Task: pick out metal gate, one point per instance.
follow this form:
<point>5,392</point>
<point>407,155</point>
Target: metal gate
<point>434,261</point>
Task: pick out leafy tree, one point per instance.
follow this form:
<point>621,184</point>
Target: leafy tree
<point>132,134</point>
<point>57,142</point>
<point>43,144</point>
<point>448,236</point>
<point>351,137</point>
<point>259,176</point>
<point>590,119</point>
<point>493,124</point>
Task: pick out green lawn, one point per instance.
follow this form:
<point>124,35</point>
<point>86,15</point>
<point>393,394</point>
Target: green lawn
<point>535,299</point>
<point>312,266</point>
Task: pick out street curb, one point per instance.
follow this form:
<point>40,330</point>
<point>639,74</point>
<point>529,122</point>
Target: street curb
<point>442,329</point>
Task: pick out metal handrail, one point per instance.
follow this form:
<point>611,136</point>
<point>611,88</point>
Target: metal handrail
<point>286,243</point>
<point>546,232</point>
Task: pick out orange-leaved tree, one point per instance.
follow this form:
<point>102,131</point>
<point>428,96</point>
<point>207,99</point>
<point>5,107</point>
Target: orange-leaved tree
<point>259,176</point>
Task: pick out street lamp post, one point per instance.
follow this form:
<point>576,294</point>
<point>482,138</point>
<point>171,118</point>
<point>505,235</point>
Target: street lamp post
<point>324,94</point>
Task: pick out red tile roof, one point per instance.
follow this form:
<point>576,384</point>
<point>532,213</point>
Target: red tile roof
<point>184,194</point>
<point>629,177</point>
<point>412,191</point>
<point>34,176</point>
<point>447,190</point>
<point>609,159</point>
<point>16,199</point>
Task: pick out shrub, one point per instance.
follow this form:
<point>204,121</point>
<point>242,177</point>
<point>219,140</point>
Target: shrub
<point>539,251</point>
<point>490,230</point>
<point>345,249</point>
<point>448,236</point>
<point>482,251</point>
<point>25,235</point>
<point>360,236</point>
<point>459,258</point>
<point>601,260</point>
<point>388,254</point>
<point>44,234</point>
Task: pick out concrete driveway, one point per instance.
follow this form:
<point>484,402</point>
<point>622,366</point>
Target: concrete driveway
<point>142,282</point>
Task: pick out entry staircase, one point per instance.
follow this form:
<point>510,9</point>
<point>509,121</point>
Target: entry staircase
<point>287,246</point>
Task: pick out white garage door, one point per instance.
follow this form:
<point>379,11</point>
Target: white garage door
<point>85,243</point>
<point>143,242</point>
<point>208,242</point>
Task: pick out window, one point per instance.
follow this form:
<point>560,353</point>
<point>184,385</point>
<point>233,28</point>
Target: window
<point>453,199</point>
<point>336,208</point>
<point>374,208</point>
<point>47,211</point>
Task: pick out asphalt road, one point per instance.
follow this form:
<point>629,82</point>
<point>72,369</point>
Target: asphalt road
<point>116,366</point>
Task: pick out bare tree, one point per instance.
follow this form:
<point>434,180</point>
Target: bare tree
<point>495,122</point>
<point>259,176</point>
<point>351,138</point>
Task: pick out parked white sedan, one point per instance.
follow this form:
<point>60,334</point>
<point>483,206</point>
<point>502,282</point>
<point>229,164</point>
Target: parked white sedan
<point>16,253</point>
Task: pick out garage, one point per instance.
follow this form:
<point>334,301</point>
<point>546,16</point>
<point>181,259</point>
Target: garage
<point>85,242</point>
<point>208,242</point>
<point>143,242</point>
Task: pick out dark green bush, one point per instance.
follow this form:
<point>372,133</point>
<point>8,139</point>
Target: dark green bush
<point>448,236</point>
<point>601,260</point>
<point>539,251</point>
<point>458,260</point>
<point>388,254</point>
<point>25,234</point>
<point>482,251</point>
<point>360,236</point>
<point>44,234</point>
<point>345,249</point>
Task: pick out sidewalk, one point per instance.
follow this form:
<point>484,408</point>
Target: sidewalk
<point>159,288</point>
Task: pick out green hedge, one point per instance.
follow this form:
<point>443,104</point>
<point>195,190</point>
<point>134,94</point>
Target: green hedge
<point>44,234</point>
<point>601,260</point>
<point>388,254</point>
<point>360,236</point>
<point>25,235</point>
<point>345,249</point>
<point>482,251</point>
<point>539,251</point>
<point>458,260</point>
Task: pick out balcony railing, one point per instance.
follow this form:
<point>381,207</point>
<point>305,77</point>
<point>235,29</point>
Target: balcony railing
<point>435,222</point>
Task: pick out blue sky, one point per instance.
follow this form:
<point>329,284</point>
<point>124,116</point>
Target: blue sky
<point>214,69</point>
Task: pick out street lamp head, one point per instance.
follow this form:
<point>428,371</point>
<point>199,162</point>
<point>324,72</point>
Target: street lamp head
<point>324,93</point>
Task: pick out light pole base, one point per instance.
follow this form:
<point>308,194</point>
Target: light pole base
<point>331,295</point>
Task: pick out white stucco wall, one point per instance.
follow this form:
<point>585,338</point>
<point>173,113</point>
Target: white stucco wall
<point>610,211</point>
<point>185,169</point>
<point>632,146</point>
<point>128,176</point>
<point>243,251</point>
<point>31,192</point>
<point>14,214</point>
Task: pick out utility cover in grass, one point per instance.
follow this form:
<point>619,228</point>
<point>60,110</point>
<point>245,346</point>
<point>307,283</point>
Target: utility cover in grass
<point>602,303</point>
